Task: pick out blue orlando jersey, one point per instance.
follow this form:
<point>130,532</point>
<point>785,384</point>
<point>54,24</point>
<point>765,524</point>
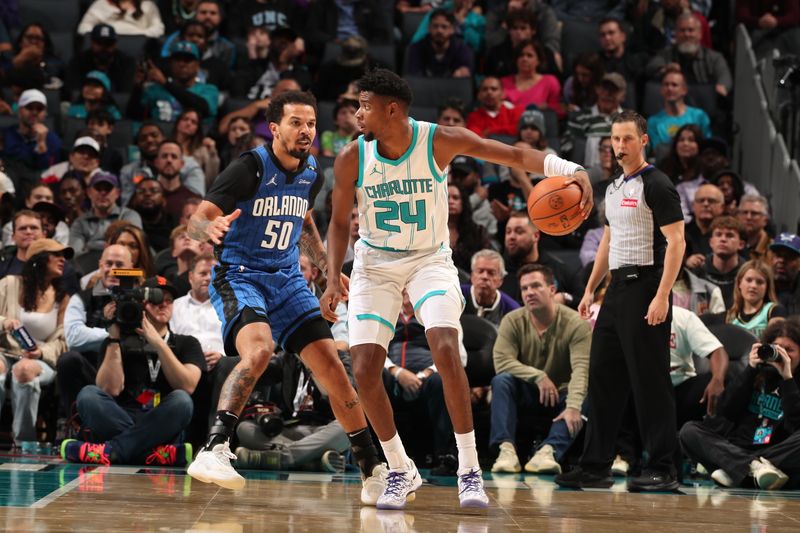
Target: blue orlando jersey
<point>265,235</point>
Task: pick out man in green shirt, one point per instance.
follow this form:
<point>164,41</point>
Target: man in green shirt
<point>541,357</point>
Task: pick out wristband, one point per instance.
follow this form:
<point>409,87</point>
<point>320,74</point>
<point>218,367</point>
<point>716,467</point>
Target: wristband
<point>399,369</point>
<point>555,166</point>
<point>113,341</point>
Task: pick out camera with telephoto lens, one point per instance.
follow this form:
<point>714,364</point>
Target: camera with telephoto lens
<point>130,299</point>
<point>768,353</point>
<point>268,417</point>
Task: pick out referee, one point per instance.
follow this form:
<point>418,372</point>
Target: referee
<point>643,245</point>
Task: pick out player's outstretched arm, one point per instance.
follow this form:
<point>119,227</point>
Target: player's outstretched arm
<point>208,223</point>
<point>452,141</point>
<point>345,169</point>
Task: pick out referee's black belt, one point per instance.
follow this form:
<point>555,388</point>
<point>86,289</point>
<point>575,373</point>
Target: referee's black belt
<point>632,272</point>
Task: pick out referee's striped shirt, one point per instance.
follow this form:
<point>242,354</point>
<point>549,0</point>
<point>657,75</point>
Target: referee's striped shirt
<point>637,207</point>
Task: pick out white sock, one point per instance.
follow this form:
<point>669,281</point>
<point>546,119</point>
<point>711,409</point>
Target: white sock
<point>395,453</point>
<point>467,452</point>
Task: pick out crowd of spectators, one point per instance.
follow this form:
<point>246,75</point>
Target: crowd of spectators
<point>109,143</point>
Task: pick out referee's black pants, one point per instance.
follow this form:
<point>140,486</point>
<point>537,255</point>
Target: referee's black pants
<point>629,358</point>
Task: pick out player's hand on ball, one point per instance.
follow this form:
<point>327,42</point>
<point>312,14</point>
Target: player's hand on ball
<point>587,199</point>
<point>220,226</point>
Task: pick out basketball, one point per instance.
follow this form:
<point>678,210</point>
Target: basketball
<point>554,207</point>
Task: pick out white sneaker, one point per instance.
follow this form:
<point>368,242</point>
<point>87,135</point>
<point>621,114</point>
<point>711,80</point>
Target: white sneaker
<point>620,467</point>
<point>507,461</point>
<point>215,467</point>
<point>768,477</point>
<point>470,489</point>
<point>373,486</point>
<point>401,486</point>
<point>543,462</point>
<point>722,478</point>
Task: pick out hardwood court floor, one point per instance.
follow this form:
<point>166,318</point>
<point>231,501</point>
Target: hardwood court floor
<point>48,495</point>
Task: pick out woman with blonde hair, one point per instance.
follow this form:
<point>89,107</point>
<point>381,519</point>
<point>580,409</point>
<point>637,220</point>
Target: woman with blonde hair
<point>754,299</point>
<point>35,300</point>
<point>134,239</point>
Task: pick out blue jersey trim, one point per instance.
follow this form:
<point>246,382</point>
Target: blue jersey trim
<point>428,295</point>
<point>378,319</point>
<point>395,162</point>
<point>360,161</point>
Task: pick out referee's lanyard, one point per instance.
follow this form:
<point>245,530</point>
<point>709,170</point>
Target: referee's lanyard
<point>636,174</point>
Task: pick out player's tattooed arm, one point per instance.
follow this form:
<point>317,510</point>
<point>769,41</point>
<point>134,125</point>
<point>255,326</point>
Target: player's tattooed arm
<point>311,245</point>
<point>198,228</point>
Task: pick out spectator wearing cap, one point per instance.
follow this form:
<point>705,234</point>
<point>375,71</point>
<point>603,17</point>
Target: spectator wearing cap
<point>141,400</point>
<point>753,212</point>
<point>785,259</point>
<point>532,130</point>
<point>441,54</point>
<point>88,231</point>
<point>136,17</point>
<point>213,70</point>
<point>95,94</point>
<point>465,173</point>
<point>614,52</point>
<point>165,98</point>
<point>527,86</point>
<point>148,139</point>
<point>168,163</point>
<point>104,56</point>
<point>662,125</point>
<point>585,128</point>
<point>41,195</point>
<point>83,160</point>
<point>699,64</point>
<point>30,143</point>
<point>100,124</point>
<point>35,300</point>
<point>214,45</point>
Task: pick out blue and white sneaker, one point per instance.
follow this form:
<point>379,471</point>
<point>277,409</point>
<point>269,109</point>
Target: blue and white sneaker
<point>401,486</point>
<point>470,489</point>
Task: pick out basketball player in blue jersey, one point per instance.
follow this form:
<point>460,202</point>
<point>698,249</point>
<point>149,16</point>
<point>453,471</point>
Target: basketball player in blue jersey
<point>397,170</point>
<point>258,215</point>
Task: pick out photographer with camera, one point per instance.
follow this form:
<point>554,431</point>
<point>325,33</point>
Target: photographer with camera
<point>88,315</point>
<point>757,429</point>
<point>141,402</point>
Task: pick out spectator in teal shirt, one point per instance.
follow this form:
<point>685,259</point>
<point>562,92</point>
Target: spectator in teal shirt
<point>157,97</point>
<point>662,126</point>
<point>470,25</point>
<point>344,115</point>
<point>95,94</point>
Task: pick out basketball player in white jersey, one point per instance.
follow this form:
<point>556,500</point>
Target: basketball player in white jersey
<point>398,171</point>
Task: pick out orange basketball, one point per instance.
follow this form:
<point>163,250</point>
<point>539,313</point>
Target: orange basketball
<point>554,207</point>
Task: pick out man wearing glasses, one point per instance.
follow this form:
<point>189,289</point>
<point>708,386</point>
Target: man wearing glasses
<point>706,206</point>
<point>753,212</point>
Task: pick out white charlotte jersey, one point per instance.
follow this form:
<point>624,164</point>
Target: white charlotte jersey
<point>402,203</point>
